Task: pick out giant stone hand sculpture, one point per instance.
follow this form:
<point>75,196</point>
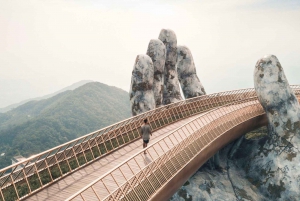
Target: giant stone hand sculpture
<point>276,162</point>
<point>163,81</point>
<point>157,51</point>
<point>141,89</point>
<point>189,81</point>
<point>171,85</point>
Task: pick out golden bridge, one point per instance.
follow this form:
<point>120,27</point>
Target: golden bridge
<point>110,164</point>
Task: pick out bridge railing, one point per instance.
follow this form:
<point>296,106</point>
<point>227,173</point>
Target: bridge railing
<point>139,177</point>
<point>24,178</point>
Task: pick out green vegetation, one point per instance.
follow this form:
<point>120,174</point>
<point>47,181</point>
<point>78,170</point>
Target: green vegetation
<point>54,172</point>
<point>45,176</point>
<point>40,125</point>
<point>257,134</point>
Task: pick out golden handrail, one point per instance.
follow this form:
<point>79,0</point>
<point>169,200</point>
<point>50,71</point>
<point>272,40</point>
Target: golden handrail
<point>53,164</point>
<point>195,136</point>
<point>203,128</point>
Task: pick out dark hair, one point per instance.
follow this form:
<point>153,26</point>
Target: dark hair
<point>145,120</point>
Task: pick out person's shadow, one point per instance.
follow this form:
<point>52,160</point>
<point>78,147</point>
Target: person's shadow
<point>147,160</point>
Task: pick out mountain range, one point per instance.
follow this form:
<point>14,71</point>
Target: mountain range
<point>71,87</point>
<point>39,125</point>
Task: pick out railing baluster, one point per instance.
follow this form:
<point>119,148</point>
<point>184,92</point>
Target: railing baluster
<point>2,196</point>
<point>132,188</point>
<point>215,122</point>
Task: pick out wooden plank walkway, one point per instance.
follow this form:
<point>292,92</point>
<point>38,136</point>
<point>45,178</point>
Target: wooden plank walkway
<point>72,183</point>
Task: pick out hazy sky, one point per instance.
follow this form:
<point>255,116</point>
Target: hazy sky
<point>47,45</point>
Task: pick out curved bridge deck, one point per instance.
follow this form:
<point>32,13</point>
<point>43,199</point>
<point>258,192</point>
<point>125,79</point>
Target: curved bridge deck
<point>156,175</point>
<point>74,182</point>
<point>109,164</point>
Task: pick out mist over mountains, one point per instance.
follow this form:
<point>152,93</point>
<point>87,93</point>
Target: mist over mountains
<point>39,125</point>
<point>15,105</point>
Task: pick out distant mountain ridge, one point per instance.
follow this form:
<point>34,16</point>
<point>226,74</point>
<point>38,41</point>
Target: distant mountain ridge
<point>39,125</point>
<point>71,87</point>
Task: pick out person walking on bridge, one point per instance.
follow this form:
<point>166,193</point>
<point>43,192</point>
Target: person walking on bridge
<point>146,132</point>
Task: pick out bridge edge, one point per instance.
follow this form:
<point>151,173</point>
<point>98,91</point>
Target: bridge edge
<point>166,192</point>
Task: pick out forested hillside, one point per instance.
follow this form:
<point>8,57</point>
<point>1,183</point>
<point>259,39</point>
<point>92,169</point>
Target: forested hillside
<point>39,125</point>
<point>71,87</point>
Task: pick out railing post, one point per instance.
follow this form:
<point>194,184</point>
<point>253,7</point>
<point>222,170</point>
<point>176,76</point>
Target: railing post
<point>214,123</point>
<point>13,182</point>
<point>95,193</point>
<point>132,187</point>
<point>144,175</point>
<point>2,194</point>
